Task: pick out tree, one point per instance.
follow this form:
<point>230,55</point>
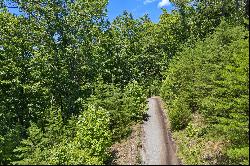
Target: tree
<point>211,79</point>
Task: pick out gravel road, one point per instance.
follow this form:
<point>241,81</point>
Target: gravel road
<point>157,145</point>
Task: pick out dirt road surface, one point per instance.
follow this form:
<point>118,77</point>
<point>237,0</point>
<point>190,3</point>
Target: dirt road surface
<point>156,140</point>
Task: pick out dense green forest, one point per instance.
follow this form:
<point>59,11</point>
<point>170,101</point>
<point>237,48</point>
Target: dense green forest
<point>72,82</point>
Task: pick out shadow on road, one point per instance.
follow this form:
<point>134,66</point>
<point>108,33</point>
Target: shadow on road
<point>113,158</point>
<point>145,116</point>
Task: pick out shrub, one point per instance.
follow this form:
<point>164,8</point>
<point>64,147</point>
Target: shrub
<point>212,78</point>
<point>85,140</point>
<point>124,106</point>
<point>179,115</point>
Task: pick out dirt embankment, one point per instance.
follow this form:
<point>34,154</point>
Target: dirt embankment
<point>128,151</point>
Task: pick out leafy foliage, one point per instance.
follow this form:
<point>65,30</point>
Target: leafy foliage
<point>72,83</point>
<point>212,79</point>
<point>124,106</point>
<point>84,141</point>
<point>54,67</point>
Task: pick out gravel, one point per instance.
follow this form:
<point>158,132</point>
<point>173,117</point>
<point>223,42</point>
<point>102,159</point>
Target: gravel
<point>157,146</point>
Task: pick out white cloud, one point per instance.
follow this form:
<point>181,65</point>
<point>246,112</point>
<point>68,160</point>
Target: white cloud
<point>163,3</point>
<point>148,1</point>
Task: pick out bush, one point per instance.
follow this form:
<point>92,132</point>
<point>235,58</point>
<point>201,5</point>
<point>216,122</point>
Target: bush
<point>84,140</point>
<point>212,79</point>
<point>134,100</point>
<point>179,115</point>
<point>12,136</point>
<point>124,106</point>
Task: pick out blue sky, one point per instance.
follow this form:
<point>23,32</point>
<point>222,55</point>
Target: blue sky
<point>138,8</point>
